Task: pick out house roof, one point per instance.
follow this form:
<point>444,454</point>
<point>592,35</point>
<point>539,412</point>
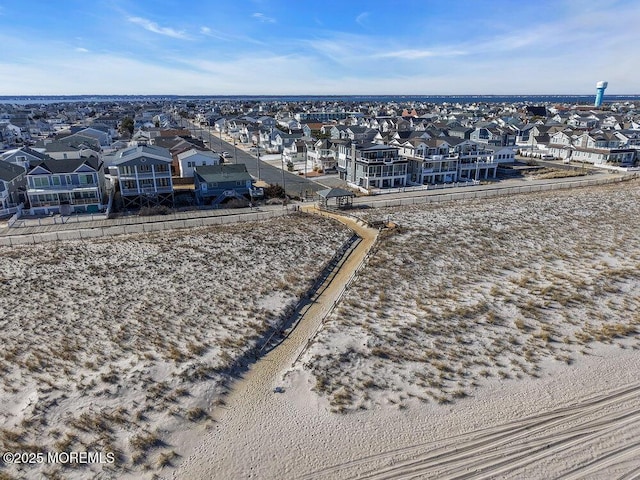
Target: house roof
<point>157,153</point>
<point>334,193</point>
<point>200,153</point>
<point>222,173</point>
<point>68,165</point>
<point>26,151</point>
<point>10,171</point>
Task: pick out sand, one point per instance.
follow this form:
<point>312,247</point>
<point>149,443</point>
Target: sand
<point>534,335</point>
<point>117,344</point>
<point>486,339</point>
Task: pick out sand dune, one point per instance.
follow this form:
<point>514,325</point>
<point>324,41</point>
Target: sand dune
<point>117,344</point>
<point>483,340</point>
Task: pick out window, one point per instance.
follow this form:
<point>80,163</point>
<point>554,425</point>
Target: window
<point>40,181</point>
<point>55,180</point>
<point>86,179</point>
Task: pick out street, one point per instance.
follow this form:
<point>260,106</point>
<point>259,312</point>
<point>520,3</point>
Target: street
<point>295,185</point>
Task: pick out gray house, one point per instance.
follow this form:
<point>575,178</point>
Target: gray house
<point>24,156</point>
<point>144,175</point>
<point>66,186</point>
<point>216,183</point>
<point>12,187</point>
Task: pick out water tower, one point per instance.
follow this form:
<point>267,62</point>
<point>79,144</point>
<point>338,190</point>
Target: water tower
<point>600,87</point>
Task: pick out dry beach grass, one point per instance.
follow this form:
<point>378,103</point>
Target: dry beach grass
<point>475,289</point>
<point>111,345</point>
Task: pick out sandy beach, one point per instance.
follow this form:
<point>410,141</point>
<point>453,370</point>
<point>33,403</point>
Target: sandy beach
<point>492,339</point>
<point>526,382</point>
<point>116,344</point>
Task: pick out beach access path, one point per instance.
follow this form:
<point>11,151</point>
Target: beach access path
<point>244,414</point>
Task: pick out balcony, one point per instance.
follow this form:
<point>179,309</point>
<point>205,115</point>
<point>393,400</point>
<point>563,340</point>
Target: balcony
<point>473,165</point>
<point>85,201</point>
<point>85,187</point>
<point>145,175</point>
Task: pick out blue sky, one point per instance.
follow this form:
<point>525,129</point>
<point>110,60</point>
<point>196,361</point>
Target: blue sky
<point>221,47</point>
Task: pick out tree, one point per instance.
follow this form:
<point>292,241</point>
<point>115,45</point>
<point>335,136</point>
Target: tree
<point>126,125</point>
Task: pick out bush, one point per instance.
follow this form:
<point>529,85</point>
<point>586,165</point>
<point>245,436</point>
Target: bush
<point>157,210</point>
<point>274,191</point>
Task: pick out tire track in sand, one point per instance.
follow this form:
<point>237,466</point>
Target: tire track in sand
<point>497,451</point>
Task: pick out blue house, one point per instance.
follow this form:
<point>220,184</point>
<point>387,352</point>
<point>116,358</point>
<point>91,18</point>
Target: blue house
<point>216,183</point>
<point>66,186</point>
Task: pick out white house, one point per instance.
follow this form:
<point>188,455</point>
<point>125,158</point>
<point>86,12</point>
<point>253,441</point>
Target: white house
<point>196,158</point>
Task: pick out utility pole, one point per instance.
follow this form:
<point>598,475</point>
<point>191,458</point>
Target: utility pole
<point>221,147</point>
<point>258,161</point>
<point>234,150</point>
<point>284,187</point>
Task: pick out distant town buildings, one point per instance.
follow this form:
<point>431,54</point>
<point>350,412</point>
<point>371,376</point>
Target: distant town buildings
<point>74,157</point>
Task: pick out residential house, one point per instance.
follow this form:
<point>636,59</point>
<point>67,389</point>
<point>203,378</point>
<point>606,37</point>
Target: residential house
<point>24,156</point>
<point>71,147</point>
<point>372,165</point>
<point>12,187</point>
<point>192,158</point>
<point>296,152</point>
<point>280,140</point>
<point>323,155</point>
<point>215,184</point>
<point>144,176</point>
<point>475,161</point>
<point>66,186</point>
<point>429,161</point>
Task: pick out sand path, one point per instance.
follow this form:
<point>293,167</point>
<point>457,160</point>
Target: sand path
<point>252,396</point>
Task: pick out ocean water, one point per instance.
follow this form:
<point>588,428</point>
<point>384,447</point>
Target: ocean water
<point>437,99</point>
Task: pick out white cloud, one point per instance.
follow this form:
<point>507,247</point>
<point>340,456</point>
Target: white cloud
<point>411,54</point>
<point>361,18</point>
<point>82,50</point>
<point>263,18</point>
<point>155,28</point>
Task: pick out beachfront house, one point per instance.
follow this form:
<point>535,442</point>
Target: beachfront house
<point>372,165</point>
<point>66,186</point>
<point>215,184</point>
<point>429,161</point>
<point>475,161</point>
<point>144,176</point>
<point>12,187</point>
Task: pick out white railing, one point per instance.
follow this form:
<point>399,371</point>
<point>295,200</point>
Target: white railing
<point>17,212</point>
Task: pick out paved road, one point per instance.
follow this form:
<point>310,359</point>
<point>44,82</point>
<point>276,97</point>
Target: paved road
<point>295,185</point>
